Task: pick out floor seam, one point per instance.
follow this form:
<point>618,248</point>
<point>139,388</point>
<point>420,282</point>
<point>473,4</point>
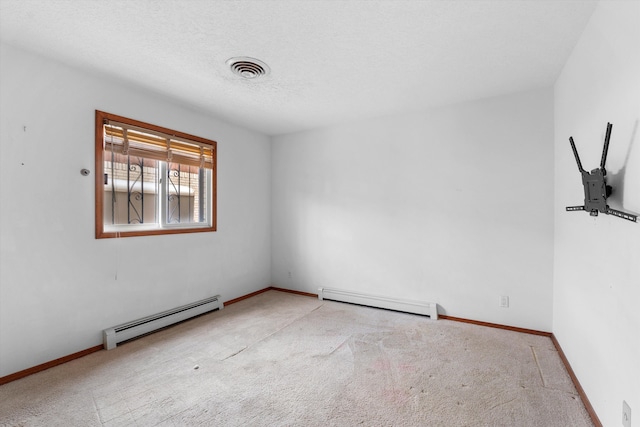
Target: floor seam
<point>535,357</point>
<point>273,333</point>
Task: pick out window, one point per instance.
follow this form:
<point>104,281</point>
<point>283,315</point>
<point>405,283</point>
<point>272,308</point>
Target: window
<point>152,180</point>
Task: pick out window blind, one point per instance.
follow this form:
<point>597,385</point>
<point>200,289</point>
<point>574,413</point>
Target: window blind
<point>126,139</point>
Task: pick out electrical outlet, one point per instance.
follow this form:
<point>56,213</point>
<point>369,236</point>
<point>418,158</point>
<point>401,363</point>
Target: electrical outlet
<point>504,301</point>
<point>626,414</point>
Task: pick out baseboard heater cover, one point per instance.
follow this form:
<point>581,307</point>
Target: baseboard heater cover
<point>112,336</point>
<point>417,307</point>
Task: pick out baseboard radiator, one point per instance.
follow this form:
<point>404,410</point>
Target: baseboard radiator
<point>112,336</point>
<point>417,307</point>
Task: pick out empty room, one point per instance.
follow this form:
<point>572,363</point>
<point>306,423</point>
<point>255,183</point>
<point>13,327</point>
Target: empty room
<point>319,213</point>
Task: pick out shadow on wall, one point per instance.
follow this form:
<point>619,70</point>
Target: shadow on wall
<point>617,180</point>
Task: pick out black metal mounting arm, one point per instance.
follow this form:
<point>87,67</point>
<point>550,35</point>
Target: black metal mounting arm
<point>595,185</point>
<point>575,154</point>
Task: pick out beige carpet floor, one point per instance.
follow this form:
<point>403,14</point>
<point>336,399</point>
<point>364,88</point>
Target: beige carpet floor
<point>278,359</point>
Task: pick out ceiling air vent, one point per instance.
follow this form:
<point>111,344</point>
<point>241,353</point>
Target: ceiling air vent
<point>248,68</point>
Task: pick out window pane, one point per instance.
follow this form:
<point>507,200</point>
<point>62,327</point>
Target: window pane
<point>187,188</point>
<point>130,190</point>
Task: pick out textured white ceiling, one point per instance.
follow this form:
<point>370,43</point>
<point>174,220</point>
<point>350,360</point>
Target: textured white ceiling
<point>331,61</point>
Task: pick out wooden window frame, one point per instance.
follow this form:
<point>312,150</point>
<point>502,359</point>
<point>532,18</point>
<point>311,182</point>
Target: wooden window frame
<point>100,119</point>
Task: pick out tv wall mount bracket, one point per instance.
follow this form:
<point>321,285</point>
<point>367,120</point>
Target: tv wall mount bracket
<point>595,185</point>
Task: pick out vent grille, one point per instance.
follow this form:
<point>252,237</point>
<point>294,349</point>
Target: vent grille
<point>248,68</point>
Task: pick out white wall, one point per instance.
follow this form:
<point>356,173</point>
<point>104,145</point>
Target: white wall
<point>58,285</point>
<point>597,260</point>
<point>451,205</point>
